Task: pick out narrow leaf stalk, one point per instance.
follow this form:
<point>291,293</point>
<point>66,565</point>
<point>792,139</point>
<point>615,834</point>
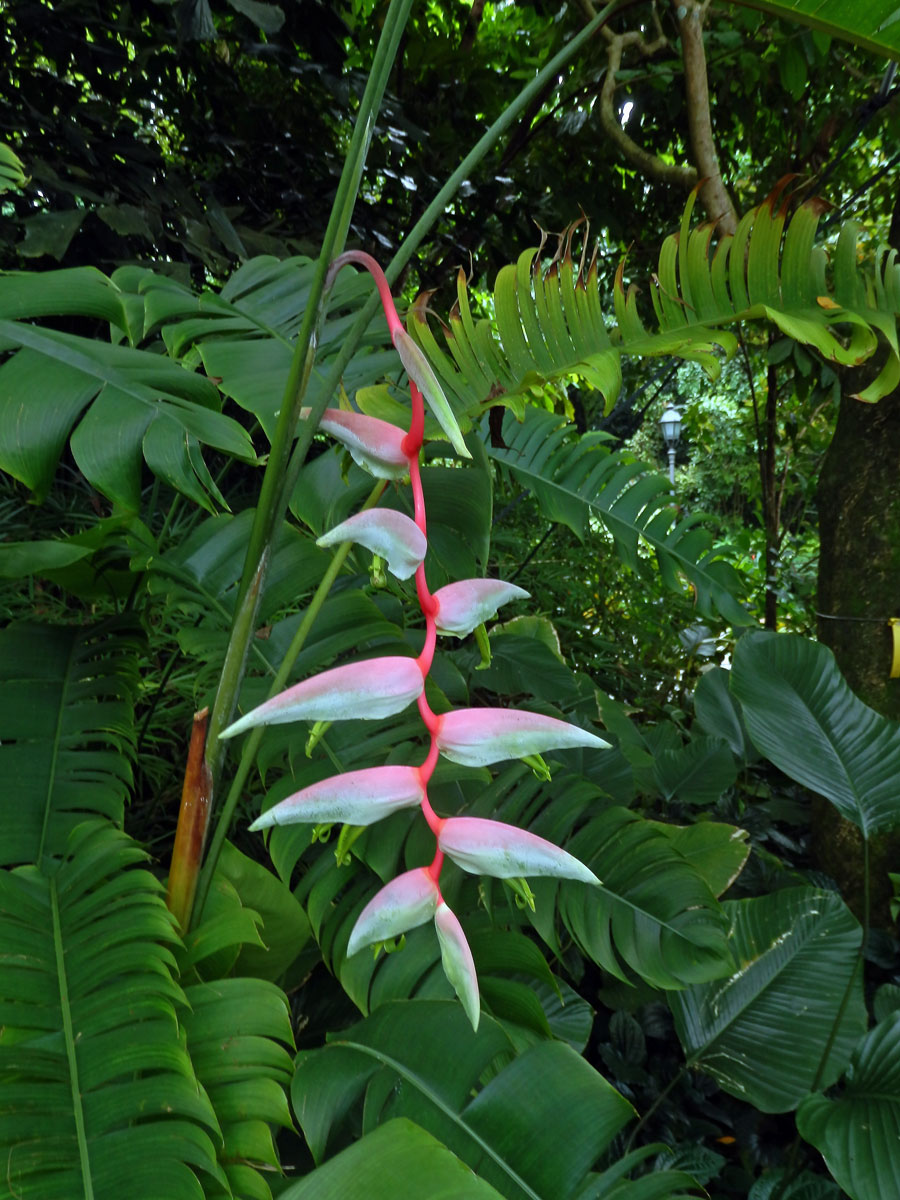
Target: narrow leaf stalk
<point>251,745</point>
<point>273,494</point>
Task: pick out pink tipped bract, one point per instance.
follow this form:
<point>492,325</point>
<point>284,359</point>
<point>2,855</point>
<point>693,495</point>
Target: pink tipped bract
<point>355,798</point>
<point>401,905</point>
<point>370,690</point>
<point>456,959</point>
<point>477,737</point>
<point>392,535</point>
<point>469,603</point>
<point>493,848</point>
<point>374,444</point>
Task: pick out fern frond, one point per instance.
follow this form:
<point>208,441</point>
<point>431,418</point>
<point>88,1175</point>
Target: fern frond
<point>576,477</point>
<point>549,325</point>
<point>66,730</point>
<point>97,1093</point>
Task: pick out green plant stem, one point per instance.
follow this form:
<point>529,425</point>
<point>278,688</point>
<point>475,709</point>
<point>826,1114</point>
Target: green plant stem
<point>432,213</point>
<point>251,745</point>
<point>656,1103</point>
<point>273,495</point>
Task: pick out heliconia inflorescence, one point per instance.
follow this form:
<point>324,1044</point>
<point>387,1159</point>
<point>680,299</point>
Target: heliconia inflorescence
<point>381,686</point>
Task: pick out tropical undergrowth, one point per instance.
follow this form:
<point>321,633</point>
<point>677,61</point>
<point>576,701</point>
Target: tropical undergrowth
<point>641,1038</point>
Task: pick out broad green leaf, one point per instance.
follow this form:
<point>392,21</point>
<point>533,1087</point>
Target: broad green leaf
<point>50,233</point>
<point>533,1131</point>
<point>802,715</point>
<point>398,1161</point>
<point>716,850</point>
<point>764,1032</point>
<point>284,929</point>
<point>857,1130</point>
<point>122,393</point>
<point>869,26</point>
<point>18,559</point>
<point>66,730</point>
<point>718,713</point>
<point>97,1060</point>
<point>698,773</point>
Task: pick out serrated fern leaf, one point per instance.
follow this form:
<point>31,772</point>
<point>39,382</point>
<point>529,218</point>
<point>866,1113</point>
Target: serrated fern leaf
<point>549,324</point>
<point>66,730</point>
<point>575,477</point>
<point>97,1093</point>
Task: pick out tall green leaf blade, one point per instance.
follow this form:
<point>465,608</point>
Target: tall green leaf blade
<point>763,1032</point>
<point>857,1131</point>
<point>802,715</point>
<point>66,730</point>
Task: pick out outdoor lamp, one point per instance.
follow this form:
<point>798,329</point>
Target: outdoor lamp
<point>670,424</point>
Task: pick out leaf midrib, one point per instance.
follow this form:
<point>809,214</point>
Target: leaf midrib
<point>422,1086</point>
<point>69,1039</point>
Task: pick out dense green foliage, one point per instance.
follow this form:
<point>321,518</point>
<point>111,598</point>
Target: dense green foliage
<point>175,174</point>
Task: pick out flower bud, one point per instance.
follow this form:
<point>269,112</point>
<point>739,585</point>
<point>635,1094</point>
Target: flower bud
<point>354,798</point>
<point>369,690</point>
<point>477,737</point>
<point>392,535</point>
<point>401,905</point>
<point>494,848</point>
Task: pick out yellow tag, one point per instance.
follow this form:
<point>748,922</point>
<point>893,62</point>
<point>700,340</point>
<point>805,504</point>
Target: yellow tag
<point>895,631</point>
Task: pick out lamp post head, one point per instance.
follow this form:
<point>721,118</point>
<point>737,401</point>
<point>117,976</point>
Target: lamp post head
<point>670,424</point>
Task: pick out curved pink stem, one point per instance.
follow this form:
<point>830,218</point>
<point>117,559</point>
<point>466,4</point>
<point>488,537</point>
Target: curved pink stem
<point>374,269</point>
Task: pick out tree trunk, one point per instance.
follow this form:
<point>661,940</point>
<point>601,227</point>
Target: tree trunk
<point>858,591</point>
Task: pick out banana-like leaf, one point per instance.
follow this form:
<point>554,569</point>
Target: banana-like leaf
<point>245,333</point>
<point>234,1028</point>
<point>803,716</point>
<point>764,1032</point>
<point>575,477</point>
<point>66,731</point>
<point>549,325</point>
<point>116,404</point>
<point>857,1131</point>
<point>871,26</point>
<point>97,1093</point>
<point>533,1131</point>
<point>397,1161</point>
